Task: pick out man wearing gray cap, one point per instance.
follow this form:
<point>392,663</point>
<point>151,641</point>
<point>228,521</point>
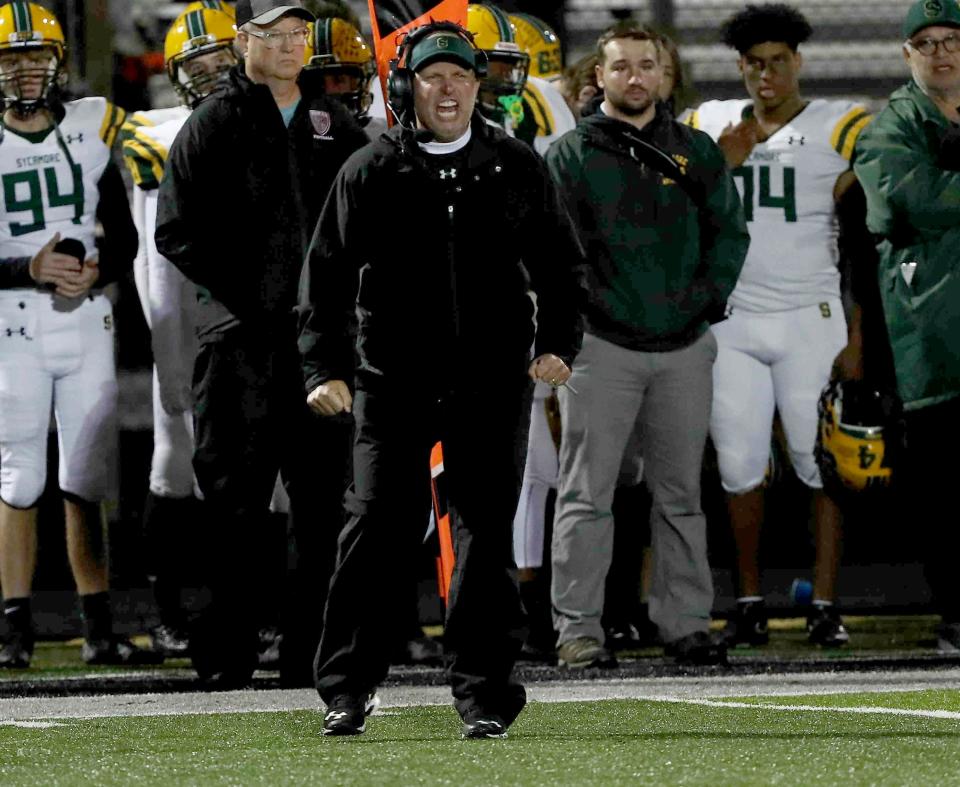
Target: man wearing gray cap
<point>908,161</point>
<point>245,180</point>
<point>444,323</point>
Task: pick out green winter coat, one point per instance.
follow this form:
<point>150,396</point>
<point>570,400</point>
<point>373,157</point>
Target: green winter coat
<point>913,205</point>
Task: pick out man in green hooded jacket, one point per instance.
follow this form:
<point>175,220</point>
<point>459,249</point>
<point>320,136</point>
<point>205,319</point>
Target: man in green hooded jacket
<point>665,237</point>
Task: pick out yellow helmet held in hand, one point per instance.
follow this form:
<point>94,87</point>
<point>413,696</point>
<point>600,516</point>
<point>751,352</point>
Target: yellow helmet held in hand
<point>537,39</point>
<point>857,437</point>
<point>203,28</point>
<point>32,54</point>
<point>339,53</point>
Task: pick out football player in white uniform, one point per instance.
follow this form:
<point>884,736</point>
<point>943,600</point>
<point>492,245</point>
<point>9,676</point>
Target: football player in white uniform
<point>56,324</point>
<point>198,49</point>
<point>785,325</point>
<point>527,107</point>
<point>546,113</point>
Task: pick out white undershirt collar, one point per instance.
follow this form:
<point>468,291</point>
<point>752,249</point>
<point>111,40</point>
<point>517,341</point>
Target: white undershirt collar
<point>444,148</point>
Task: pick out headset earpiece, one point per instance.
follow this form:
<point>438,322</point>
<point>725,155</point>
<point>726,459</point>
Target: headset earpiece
<point>400,92</point>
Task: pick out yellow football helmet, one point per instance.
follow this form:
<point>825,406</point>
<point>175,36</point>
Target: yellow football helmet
<point>508,64</point>
<point>203,28</point>
<point>856,437</point>
<point>537,39</point>
<point>32,54</point>
<point>339,53</point>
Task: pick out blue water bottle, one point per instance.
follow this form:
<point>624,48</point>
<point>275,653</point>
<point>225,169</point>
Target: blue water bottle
<point>801,592</point>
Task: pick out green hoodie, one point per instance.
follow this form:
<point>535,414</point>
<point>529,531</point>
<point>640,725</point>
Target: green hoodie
<point>913,206</point>
<point>663,254</point>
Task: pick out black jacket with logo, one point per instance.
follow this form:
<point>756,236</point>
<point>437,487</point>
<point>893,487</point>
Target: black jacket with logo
<point>240,195</point>
<point>437,290</point>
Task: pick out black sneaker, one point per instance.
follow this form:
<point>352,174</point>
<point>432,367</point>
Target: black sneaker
<point>748,625</point>
<point>478,726</point>
<point>697,649</point>
<point>583,652</point>
<point>421,650</point>
<point>825,627</point>
<point>170,642</point>
<point>17,650</point>
<point>347,715</point>
<point>948,638</point>
<point>117,651</point>
<point>268,651</point>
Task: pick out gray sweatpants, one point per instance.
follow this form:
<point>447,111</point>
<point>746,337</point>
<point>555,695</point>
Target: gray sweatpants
<point>667,397</point>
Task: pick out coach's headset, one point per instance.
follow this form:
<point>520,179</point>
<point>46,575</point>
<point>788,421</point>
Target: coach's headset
<point>400,79</point>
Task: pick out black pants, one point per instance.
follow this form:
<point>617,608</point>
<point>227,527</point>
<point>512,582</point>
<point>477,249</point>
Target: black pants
<point>929,498</point>
<point>252,420</point>
<point>484,438</point>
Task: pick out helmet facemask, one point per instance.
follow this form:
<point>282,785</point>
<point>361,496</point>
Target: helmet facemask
<point>348,83</point>
<point>502,88</point>
<point>28,74</point>
<point>195,73</point>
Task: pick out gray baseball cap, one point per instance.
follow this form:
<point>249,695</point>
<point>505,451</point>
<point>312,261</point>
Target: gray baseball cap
<point>263,12</point>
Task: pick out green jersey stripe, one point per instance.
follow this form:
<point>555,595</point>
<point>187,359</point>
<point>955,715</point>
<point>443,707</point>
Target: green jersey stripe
<point>841,140</point>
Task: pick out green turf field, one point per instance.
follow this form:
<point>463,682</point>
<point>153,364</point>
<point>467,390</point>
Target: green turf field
<point>609,742</point>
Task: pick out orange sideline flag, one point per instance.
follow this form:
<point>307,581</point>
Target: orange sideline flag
<point>442,515</point>
<point>390,20</point>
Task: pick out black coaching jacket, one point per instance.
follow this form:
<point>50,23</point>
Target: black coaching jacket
<point>432,274</point>
<point>240,196</point>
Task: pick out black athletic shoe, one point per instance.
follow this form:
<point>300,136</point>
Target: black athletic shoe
<point>268,651</point>
<point>697,649</point>
<point>583,652</point>
<point>825,627</point>
<point>748,625</point>
<point>117,651</point>
<point>948,638</point>
<point>169,642</point>
<point>347,715</point>
<point>479,725</point>
<point>421,650</point>
<point>17,650</point>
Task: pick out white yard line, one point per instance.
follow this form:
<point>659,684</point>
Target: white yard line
<point>702,690</point>
<point>863,709</point>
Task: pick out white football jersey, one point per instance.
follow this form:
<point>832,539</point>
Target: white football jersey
<point>51,185</point>
<point>146,138</point>
<point>550,110</point>
<point>787,188</point>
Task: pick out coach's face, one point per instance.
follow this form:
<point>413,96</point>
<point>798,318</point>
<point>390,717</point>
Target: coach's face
<point>444,94</point>
<point>630,74</point>
<point>272,59</point>
<point>938,72</point>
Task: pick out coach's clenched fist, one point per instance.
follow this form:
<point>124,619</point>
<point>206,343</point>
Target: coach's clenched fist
<point>331,398</point>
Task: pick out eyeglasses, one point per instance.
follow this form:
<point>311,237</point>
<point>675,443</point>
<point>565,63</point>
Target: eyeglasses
<point>928,46</point>
<point>271,39</point>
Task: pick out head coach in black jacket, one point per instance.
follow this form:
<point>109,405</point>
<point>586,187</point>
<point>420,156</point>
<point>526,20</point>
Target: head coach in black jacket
<point>244,184</point>
<point>440,305</point>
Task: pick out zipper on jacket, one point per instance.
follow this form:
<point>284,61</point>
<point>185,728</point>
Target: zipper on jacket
<point>454,299</point>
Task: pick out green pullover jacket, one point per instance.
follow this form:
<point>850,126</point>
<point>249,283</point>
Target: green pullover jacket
<point>663,249</point>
